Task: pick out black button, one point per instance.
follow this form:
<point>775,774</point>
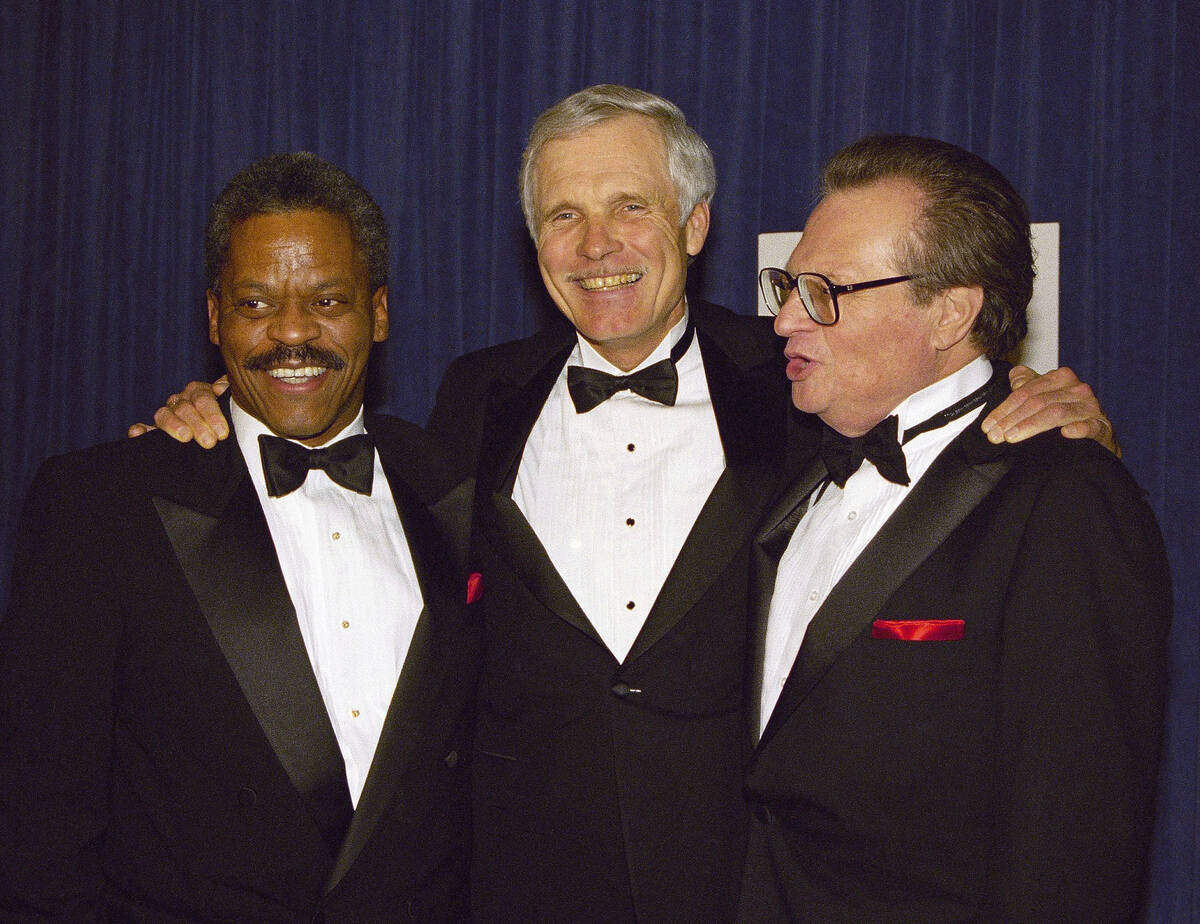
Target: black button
<point>620,689</point>
<point>631,447</point>
<point>629,605</point>
<point>629,522</point>
<point>763,814</point>
<point>246,797</point>
<point>451,759</point>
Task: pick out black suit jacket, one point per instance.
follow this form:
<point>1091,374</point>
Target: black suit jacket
<point>1005,776</point>
<point>164,750</point>
<point>608,791</point>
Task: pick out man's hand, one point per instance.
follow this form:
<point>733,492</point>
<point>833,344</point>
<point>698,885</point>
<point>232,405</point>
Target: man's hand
<point>1042,402</point>
<point>192,414</point>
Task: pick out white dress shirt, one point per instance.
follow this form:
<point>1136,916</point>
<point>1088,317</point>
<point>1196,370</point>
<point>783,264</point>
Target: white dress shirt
<point>348,569</point>
<point>612,494</point>
<point>840,523</point>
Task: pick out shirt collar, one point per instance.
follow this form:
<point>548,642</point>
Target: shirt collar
<point>923,404</point>
<point>585,354</point>
<point>248,428</point>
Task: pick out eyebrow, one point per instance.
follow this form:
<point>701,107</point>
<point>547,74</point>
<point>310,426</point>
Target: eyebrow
<point>338,282</point>
<point>609,201</point>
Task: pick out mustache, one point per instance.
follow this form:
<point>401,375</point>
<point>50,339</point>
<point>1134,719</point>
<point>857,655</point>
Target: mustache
<point>305,355</point>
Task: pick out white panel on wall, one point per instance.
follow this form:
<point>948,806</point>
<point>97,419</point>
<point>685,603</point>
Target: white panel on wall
<point>1040,347</point>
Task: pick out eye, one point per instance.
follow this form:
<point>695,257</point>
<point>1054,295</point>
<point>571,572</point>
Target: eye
<point>252,307</point>
<point>331,304</point>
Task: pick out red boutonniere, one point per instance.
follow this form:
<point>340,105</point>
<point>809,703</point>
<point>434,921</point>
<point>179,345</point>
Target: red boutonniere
<point>474,587</point>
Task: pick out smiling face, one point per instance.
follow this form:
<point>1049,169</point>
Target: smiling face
<point>885,346</point>
<point>294,320</point>
<point>610,246</point>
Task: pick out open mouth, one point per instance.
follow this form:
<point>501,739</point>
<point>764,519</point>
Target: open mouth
<point>798,367</point>
<point>296,376</point>
<point>607,283</point>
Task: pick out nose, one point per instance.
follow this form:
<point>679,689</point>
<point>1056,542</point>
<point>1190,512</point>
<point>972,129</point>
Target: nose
<point>598,240</point>
<point>792,316</point>
<point>294,323</point>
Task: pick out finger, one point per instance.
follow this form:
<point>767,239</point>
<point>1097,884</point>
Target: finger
<point>1033,418</point>
<point>1025,383</point>
<point>171,423</point>
<point>199,424</point>
<point>138,429</point>
<point>1099,429</point>
<point>1019,376</point>
<point>202,399</point>
<point>1059,389</point>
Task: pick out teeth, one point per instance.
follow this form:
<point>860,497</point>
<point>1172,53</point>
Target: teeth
<point>296,376</point>
<point>600,283</point>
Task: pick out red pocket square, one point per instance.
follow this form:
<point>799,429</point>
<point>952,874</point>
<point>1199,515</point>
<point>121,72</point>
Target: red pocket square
<point>918,630</point>
<point>474,587</point>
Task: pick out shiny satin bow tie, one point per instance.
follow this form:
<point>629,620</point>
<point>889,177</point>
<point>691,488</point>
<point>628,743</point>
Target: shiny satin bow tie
<point>843,455</point>
<point>349,463</point>
<point>657,382</point>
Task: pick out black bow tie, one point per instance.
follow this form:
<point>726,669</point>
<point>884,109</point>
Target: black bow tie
<point>658,382</point>
<point>843,455</point>
<point>349,462</point>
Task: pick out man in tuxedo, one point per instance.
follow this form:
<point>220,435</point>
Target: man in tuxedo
<point>960,646</point>
<point>621,458</point>
<point>236,685</point>
<point>622,462</point>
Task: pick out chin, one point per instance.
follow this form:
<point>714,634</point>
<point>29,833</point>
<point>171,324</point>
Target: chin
<point>803,399</point>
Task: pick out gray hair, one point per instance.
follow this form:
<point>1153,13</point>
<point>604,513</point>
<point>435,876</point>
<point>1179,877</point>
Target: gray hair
<point>689,160</point>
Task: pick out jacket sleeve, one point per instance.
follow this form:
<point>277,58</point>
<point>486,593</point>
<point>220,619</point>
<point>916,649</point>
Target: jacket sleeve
<point>58,646</point>
<point>1081,702</point>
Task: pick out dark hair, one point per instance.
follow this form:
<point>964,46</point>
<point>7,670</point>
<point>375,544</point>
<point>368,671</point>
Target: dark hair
<point>289,183</point>
<point>973,229</point>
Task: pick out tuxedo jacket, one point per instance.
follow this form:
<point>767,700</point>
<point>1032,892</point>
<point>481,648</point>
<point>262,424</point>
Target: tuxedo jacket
<point>165,754</point>
<point>1005,772</point>
<point>608,791</point>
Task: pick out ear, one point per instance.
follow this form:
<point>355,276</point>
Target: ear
<point>695,229</point>
<point>214,317</point>
<point>958,307</point>
<point>379,315</point>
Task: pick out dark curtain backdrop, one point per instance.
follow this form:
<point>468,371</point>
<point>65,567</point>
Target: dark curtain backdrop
<point>123,119</point>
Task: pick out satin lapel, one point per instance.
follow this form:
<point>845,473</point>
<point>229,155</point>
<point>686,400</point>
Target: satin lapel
<point>513,538</point>
<point>229,560</point>
<point>966,471</point>
<point>514,403</point>
<point>430,670</point>
<point>778,525</point>
<point>751,418</point>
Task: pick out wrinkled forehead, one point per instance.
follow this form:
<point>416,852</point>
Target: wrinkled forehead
<point>629,148</point>
<point>293,243</point>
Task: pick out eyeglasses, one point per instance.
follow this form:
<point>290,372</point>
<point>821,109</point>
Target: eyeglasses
<point>818,294</point>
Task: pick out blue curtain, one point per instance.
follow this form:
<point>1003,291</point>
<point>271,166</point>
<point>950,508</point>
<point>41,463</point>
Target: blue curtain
<point>123,119</point>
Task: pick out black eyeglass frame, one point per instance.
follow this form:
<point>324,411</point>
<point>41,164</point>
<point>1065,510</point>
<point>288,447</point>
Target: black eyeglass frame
<point>834,290</point>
